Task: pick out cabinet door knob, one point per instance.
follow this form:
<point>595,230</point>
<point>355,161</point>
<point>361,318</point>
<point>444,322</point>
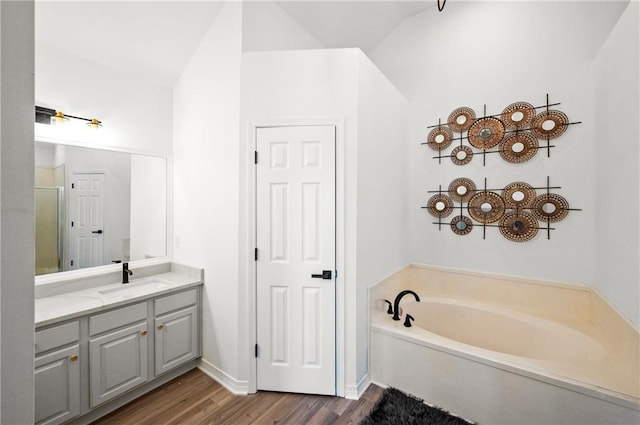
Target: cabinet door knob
<point>143,333</point>
<point>73,358</point>
<point>160,326</point>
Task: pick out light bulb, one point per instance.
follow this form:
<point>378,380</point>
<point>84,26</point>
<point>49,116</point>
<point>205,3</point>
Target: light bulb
<point>59,119</point>
<point>95,123</point>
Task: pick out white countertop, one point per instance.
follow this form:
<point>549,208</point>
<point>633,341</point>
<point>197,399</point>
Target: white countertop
<point>74,304</point>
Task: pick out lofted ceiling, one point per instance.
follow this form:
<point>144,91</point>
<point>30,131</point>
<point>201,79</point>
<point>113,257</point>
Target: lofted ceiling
<point>360,24</point>
<point>157,38</point>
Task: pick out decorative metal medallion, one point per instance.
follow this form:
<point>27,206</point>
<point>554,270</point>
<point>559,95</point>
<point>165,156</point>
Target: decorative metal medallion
<point>461,225</point>
<point>461,155</point>
<point>519,226</point>
<point>486,133</point>
<point>462,189</point>
<point>519,147</point>
<point>461,119</point>
<point>440,138</point>
<point>440,205</point>
<point>518,115</point>
<point>518,195</point>
<point>486,207</point>
<point>550,207</point>
<point>550,124</point>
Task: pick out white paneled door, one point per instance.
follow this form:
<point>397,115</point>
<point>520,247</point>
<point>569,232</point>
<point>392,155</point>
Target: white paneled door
<point>86,220</point>
<point>295,210</point>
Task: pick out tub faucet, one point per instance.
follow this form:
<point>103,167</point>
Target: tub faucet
<point>126,273</point>
<point>396,303</point>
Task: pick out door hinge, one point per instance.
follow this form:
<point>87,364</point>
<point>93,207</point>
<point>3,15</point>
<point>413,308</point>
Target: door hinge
<point>256,351</point>
<point>73,185</point>
<point>72,262</point>
<point>72,224</point>
<point>255,157</point>
<point>255,254</point>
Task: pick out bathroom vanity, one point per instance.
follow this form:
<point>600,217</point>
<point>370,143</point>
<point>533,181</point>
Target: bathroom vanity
<point>99,346</point>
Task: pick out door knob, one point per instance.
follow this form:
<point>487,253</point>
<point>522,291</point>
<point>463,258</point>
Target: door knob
<point>326,274</point>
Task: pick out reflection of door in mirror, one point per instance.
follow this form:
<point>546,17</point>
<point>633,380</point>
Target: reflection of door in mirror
<point>86,220</point>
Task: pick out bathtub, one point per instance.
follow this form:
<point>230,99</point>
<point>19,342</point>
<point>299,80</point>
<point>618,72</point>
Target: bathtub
<point>502,350</point>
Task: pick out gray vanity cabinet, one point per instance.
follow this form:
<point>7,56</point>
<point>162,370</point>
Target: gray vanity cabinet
<point>176,330</point>
<point>85,367</point>
<point>57,374</point>
<point>118,347</point>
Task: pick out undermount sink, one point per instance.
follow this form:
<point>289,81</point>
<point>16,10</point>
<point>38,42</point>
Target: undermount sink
<point>135,288</point>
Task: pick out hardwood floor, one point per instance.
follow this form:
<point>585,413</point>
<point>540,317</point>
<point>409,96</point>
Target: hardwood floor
<point>194,398</point>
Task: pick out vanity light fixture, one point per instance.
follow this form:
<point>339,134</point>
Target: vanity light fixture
<point>55,117</point>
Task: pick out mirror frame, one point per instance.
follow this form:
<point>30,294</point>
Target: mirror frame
<point>110,268</point>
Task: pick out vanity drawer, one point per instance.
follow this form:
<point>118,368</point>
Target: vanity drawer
<point>176,301</point>
<point>57,336</point>
<point>117,318</point>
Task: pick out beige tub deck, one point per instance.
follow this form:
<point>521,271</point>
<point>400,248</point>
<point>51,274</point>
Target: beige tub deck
<point>562,335</point>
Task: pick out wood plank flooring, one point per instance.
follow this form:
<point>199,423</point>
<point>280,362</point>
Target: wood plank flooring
<point>194,398</point>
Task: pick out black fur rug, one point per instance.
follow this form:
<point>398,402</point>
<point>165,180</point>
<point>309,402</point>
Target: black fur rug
<point>398,408</point>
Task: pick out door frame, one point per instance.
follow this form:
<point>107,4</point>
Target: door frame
<point>338,124</point>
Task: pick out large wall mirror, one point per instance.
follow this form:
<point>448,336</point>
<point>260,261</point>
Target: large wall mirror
<point>95,206</point>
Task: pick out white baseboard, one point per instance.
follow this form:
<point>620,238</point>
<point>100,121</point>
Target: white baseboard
<point>235,386</point>
<point>354,392</point>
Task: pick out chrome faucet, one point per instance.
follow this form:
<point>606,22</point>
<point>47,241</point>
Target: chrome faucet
<point>396,303</point>
<point>126,273</point>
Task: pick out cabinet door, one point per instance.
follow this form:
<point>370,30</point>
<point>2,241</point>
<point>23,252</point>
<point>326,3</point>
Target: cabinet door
<point>118,362</point>
<point>57,386</point>
<point>176,338</point>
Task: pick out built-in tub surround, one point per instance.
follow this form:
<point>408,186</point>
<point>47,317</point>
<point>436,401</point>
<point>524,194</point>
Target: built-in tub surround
<point>498,349</point>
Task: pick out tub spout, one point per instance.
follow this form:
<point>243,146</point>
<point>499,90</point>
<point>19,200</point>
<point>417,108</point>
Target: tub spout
<point>396,303</point>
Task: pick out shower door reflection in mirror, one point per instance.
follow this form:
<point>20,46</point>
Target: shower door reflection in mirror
<point>97,206</point>
<point>49,205</point>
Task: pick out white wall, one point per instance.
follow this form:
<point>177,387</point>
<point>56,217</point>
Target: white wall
<point>383,181</point>
<point>265,26</point>
<point>616,135</point>
<point>16,213</point>
<point>206,166</point>
<point>496,53</point>
<point>135,112</point>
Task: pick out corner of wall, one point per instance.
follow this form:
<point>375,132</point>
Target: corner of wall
<point>17,254</point>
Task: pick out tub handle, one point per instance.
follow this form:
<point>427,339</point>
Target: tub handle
<point>407,320</point>
<point>390,309</point>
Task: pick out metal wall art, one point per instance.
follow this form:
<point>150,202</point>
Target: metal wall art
<point>515,133</point>
<point>518,209</point>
